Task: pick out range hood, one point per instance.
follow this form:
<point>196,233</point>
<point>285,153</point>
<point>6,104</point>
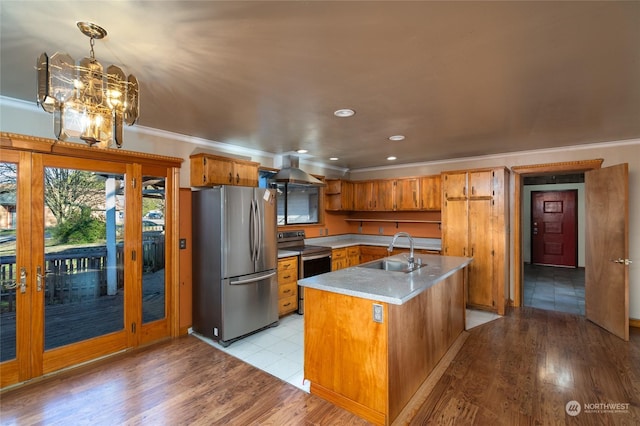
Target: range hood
<point>290,173</point>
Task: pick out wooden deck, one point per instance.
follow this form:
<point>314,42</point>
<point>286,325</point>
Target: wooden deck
<point>519,370</point>
<point>74,319</point>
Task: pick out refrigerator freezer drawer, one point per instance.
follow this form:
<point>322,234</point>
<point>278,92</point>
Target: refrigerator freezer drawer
<point>248,305</point>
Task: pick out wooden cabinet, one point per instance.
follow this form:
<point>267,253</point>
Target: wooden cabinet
<point>369,253</point>
<point>338,259</point>
<point>407,194</point>
<point>338,195</point>
<point>403,194</point>
<point>353,256</point>
<point>475,223</point>
<point>363,195</point>
<point>383,195</point>
<point>287,285</point>
<point>209,170</point>
<point>431,193</point>
<point>375,369</point>
<point>463,185</point>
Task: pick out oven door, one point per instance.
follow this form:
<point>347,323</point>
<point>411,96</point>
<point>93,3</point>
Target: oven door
<point>311,265</point>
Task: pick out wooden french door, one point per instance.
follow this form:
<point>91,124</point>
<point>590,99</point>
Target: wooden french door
<point>607,249</point>
<point>65,270</point>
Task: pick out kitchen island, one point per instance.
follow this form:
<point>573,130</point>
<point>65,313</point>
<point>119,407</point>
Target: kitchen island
<point>372,336</point>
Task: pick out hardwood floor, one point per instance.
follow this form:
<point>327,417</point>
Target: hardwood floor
<point>525,368</point>
<point>521,369</point>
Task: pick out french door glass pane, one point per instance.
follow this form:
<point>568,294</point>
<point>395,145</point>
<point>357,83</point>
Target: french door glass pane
<point>84,243</point>
<point>9,276</point>
<point>153,248</point>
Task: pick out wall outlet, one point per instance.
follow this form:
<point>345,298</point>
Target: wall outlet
<point>215,331</point>
<point>320,232</point>
<point>377,313</point>
<point>381,230</point>
<point>326,231</point>
<point>359,229</point>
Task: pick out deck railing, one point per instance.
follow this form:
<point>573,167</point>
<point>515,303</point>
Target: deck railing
<point>79,273</point>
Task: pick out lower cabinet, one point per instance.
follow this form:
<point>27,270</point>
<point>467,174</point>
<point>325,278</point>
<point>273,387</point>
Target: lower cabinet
<point>338,259</point>
<point>287,285</point>
<point>369,253</point>
<point>353,255</point>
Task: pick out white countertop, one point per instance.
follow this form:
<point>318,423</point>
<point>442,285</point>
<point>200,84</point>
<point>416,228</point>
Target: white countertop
<point>387,286</point>
<point>346,240</point>
<point>287,253</point>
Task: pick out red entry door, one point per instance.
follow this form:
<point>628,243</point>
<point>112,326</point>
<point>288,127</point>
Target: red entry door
<point>554,228</point>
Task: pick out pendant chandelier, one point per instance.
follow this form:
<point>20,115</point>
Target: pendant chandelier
<point>86,102</point>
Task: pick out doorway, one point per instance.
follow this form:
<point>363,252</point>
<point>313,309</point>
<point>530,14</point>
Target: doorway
<point>554,251</point>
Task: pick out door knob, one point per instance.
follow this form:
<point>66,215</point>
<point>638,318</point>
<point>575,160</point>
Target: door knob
<point>626,262</point>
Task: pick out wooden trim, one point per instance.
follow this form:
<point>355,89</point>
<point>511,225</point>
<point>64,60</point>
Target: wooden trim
<point>87,350</point>
<point>634,322</point>
<point>566,166</point>
<point>360,410</point>
<point>51,146</point>
<point>519,172</point>
<point>222,158</point>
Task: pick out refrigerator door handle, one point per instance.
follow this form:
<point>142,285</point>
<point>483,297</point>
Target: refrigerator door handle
<point>259,230</point>
<point>256,220</point>
<point>252,230</point>
<point>254,279</point>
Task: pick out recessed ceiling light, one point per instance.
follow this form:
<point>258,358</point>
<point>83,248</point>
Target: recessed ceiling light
<point>333,158</point>
<point>391,158</point>
<point>344,112</point>
<point>302,151</point>
<point>396,138</point>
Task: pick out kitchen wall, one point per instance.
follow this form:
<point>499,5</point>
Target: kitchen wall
<point>25,118</point>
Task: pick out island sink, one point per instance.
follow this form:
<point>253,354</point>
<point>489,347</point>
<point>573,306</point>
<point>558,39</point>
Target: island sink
<point>392,265</point>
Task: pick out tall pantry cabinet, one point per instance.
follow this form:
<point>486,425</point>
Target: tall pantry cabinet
<point>475,223</point>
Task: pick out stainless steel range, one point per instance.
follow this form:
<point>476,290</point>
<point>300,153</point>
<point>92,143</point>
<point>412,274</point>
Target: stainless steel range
<point>312,260</point>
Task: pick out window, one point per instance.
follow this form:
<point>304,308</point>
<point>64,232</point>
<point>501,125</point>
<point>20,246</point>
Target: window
<point>297,204</point>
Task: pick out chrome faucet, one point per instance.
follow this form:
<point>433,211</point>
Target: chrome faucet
<point>403,234</point>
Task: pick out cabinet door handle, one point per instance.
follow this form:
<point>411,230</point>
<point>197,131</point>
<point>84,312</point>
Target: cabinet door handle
<point>288,276</point>
<point>230,178</point>
<point>237,178</point>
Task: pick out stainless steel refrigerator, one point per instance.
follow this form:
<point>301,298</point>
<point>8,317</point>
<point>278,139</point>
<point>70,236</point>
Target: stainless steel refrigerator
<point>235,281</point>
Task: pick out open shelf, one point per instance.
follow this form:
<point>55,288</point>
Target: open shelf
<point>396,221</point>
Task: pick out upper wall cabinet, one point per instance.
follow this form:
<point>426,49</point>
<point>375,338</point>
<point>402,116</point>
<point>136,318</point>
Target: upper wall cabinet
<point>431,193</point>
<point>384,195</point>
<point>338,195</point>
<point>465,185</point>
<point>209,170</point>
<point>407,194</point>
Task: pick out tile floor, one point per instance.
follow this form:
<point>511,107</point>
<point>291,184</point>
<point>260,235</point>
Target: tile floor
<point>554,289</point>
<point>279,350</point>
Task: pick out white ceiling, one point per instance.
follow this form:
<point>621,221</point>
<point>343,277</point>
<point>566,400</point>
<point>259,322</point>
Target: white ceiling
<point>456,78</point>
